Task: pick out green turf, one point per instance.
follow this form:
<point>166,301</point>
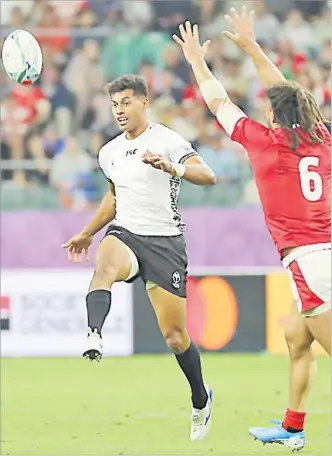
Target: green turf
<point>141,405</point>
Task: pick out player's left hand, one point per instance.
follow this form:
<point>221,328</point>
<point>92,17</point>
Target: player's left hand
<point>157,161</point>
<point>243,26</point>
<point>190,45</point>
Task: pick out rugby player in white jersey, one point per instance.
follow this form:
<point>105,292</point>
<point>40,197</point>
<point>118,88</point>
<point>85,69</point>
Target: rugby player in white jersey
<point>144,166</point>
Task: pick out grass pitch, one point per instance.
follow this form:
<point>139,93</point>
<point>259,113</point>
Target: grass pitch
<point>141,405</point>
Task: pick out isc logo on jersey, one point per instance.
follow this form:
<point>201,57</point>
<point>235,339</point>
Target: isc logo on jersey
<point>22,57</point>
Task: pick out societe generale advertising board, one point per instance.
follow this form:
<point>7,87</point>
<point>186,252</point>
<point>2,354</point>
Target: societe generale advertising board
<point>43,313</point>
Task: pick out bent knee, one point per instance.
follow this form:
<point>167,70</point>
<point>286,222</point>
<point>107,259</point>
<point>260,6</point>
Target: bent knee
<point>176,339</point>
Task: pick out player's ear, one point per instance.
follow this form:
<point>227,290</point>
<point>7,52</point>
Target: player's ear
<point>146,102</point>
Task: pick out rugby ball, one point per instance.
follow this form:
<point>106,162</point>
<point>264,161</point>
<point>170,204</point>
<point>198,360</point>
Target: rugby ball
<point>22,57</point>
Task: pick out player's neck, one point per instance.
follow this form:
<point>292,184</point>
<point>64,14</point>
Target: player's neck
<point>137,132</point>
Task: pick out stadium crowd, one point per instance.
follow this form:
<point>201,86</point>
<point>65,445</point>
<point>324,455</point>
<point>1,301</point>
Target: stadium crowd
<point>52,131</point>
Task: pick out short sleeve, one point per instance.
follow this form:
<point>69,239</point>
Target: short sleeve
<point>103,165</point>
<point>179,148</point>
<point>253,136</point>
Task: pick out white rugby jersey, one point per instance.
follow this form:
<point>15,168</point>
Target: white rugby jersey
<point>146,198</point>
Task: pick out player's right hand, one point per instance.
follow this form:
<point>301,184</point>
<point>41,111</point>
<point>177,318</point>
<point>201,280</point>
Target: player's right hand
<point>243,26</point>
<point>76,245</point>
<point>189,42</point>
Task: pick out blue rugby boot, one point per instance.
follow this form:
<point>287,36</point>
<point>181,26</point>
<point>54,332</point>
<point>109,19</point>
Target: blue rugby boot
<point>277,434</point>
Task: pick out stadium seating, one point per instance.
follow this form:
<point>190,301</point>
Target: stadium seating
<point>104,46</point>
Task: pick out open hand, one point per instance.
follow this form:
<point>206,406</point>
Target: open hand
<point>157,161</point>
<point>190,45</point>
<point>243,26</point>
<point>76,245</point>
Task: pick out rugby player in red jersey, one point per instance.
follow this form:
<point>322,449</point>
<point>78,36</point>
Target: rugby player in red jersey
<point>292,168</point>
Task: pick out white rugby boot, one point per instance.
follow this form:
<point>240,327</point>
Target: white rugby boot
<point>94,347</point>
<point>201,419</point>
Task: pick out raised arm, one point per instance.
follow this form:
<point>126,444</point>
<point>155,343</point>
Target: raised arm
<point>244,37</point>
<point>212,90</point>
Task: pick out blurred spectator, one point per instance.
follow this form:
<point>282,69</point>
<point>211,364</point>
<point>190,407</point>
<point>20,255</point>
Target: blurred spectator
<point>169,14</point>
<point>234,81</point>
<point>84,75</point>
<point>325,54</point>
<point>192,92</point>
<point>175,63</point>
<point>51,31</point>
<point>191,122</point>
<point>289,61</point>
<point>30,108</point>
<point>151,74</point>
<point>220,158</point>
<point>8,8</point>
<point>99,118</point>
<point>297,31</point>
<point>67,10</point>
<point>17,20</point>
<point>86,43</point>
<point>266,24</point>
<point>37,12</point>
<point>48,146</point>
<point>321,28</point>
<point>170,85</point>
<point>138,15</point>
<point>61,98</point>
<point>71,176</point>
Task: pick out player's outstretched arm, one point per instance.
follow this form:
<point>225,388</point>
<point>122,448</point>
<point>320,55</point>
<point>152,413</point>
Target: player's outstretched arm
<point>82,241</point>
<point>194,169</point>
<point>212,91</point>
<point>244,37</point>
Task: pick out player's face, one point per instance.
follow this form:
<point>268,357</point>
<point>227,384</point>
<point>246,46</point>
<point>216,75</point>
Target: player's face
<point>129,110</point>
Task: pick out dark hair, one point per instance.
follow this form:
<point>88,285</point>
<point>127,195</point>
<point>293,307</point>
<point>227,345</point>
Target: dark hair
<point>134,82</point>
<point>296,110</point>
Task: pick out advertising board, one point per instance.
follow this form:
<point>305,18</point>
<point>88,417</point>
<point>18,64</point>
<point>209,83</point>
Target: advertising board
<point>43,313</point>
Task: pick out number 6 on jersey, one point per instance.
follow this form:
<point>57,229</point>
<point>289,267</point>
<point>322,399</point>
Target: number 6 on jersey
<point>311,181</point>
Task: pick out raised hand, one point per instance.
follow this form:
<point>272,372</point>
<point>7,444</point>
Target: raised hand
<point>76,245</point>
<point>243,26</point>
<point>189,42</point>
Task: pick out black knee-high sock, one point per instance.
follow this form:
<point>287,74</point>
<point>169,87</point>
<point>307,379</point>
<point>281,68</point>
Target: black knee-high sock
<point>98,304</point>
<point>190,363</point>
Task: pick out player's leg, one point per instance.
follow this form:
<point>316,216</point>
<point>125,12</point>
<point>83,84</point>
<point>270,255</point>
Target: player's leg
<point>311,282</point>
<point>170,311</point>
<point>302,373</point>
<point>320,327</point>
<point>113,264</point>
<point>302,368</point>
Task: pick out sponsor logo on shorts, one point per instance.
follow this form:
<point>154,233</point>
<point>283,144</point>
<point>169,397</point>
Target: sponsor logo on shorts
<point>176,279</point>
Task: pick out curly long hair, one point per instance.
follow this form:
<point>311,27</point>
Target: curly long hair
<point>296,110</point>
